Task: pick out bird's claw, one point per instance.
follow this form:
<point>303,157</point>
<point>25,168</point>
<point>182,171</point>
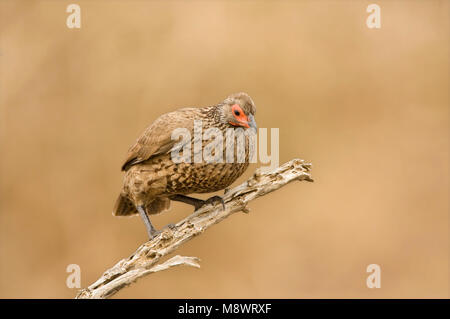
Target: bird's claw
<point>153,234</point>
<point>211,201</point>
<point>215,199</point>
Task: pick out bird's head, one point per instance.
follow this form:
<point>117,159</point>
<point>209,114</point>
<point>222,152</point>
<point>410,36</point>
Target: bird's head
<point>238,109</point>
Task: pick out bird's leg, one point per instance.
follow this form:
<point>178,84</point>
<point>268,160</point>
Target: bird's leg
<point>197,203</point>
<point>151,231</point>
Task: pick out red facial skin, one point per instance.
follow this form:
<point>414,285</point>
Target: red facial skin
<point>241,119</point>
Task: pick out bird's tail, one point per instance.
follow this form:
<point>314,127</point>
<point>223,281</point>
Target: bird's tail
<point>124,207</point>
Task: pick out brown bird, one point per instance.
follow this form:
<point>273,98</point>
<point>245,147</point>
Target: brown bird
<point>152,177</point>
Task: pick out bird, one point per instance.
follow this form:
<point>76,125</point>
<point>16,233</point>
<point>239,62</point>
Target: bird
<point>153,178</point>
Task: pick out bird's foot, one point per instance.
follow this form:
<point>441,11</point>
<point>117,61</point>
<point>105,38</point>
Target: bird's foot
<point>214,200</point>
<point>198,203</point>
<point>211,201</point>
<point>153,233</point>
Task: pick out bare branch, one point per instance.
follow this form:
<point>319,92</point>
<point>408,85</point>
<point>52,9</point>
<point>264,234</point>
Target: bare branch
<point>145,258</point>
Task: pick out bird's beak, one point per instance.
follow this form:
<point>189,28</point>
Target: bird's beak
<point>248,122</point>
<point>252,122</point>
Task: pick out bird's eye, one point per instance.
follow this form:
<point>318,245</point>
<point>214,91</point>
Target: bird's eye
<point>236,112</point>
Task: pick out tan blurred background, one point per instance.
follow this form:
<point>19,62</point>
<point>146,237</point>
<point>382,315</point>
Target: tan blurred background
<point>368,107</point>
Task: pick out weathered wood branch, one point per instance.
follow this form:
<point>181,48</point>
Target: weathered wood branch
<point>145,259</point>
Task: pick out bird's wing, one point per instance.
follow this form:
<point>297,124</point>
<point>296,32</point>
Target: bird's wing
<point>157,138</point>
